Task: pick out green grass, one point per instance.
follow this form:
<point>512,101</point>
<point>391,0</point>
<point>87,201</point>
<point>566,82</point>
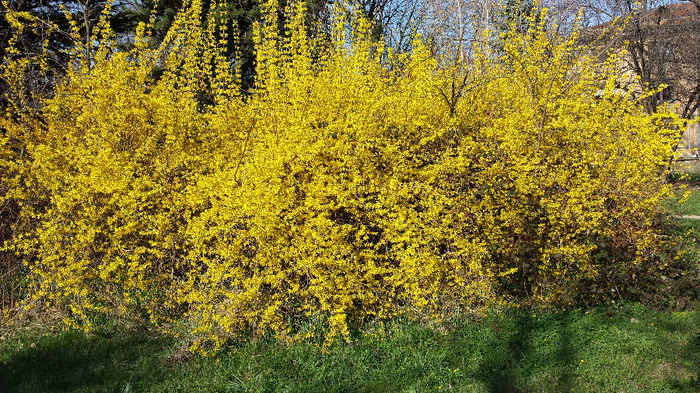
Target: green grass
<point>691,205</point>
<point>621,349</point>
<point>692,183</point>
<point>688,229</point>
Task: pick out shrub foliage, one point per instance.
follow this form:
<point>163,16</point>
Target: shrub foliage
<point>353,183</point>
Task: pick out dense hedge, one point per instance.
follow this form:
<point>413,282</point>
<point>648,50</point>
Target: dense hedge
<point>354,183</point>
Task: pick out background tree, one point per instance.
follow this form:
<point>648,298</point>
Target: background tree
<point>662,39</point>
<point>51,28</point>
<point>127,14</point>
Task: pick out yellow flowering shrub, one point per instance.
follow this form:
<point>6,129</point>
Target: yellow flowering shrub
<point>353,183</point>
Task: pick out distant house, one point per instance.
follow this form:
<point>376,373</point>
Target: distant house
<point>663,48</point>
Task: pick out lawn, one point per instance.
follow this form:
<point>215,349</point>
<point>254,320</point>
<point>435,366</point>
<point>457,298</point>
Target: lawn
<point>691,206</point>
<point>687,182</point>
<point>625,348</point>
<point>688,228</point>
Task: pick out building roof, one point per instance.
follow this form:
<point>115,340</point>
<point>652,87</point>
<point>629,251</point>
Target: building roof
<point>677,12</point>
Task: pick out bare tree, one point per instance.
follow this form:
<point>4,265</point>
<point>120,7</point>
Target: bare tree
<point>664,49</point>
<point>662,40</point>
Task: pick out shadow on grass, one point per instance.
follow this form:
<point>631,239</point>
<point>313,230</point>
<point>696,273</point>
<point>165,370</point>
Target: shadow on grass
<point>503,371</point>
<point>515,360</point>
<point>74,362</point>
<point>688,354</point>
<point>566,356</point>
<point>692,354</point>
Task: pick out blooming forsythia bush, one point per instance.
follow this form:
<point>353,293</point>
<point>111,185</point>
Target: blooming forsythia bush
<point>353,183</point>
